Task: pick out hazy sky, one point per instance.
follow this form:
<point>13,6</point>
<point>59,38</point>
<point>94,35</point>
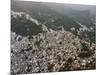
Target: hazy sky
<point>90,2</point>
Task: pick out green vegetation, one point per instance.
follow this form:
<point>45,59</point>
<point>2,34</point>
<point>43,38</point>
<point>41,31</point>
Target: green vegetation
<point>24,27</point>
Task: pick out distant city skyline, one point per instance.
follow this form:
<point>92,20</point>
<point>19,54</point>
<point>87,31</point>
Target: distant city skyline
<point>89,2</point>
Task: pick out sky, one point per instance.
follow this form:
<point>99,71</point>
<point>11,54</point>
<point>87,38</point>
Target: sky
<point>89,2</point>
